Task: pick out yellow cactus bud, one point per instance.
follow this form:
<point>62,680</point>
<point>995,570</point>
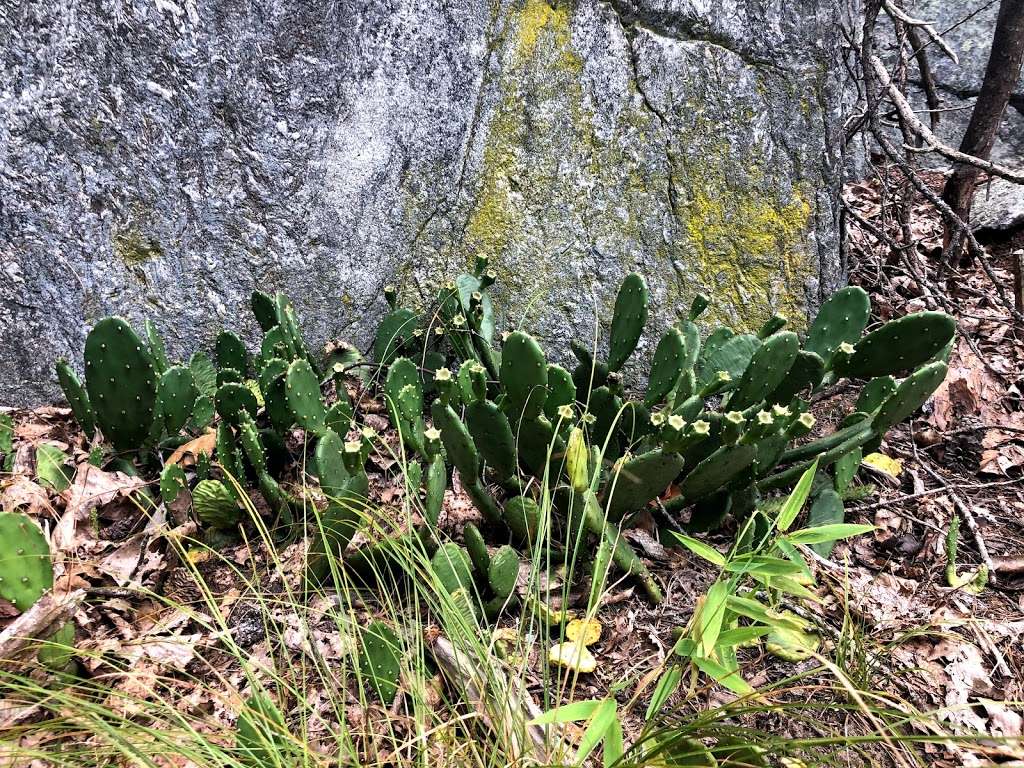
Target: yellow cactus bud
<point>576,457</point>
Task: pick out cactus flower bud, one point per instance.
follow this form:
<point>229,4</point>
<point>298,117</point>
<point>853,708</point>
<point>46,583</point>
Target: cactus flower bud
<point>764,418</point>
<point>565,412</point>
<point>589,418</point>
<point>431,434</point>
<point>576,457</point>
<point>676,422</point>
<point>658,418</point>
<point>459,320</point>
<point>846,348</point>
<point>442,374</point>
<point>701,427</point>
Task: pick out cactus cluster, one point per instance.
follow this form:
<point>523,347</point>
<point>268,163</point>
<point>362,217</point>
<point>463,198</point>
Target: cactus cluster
<point>722,419</point>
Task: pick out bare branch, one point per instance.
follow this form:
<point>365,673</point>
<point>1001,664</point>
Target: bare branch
<point>926,26</point>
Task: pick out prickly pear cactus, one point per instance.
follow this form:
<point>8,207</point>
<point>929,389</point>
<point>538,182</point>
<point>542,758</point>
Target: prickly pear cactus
<point>911,394</point>
<point>302,388</point>
<point>215,505</point>
<point>628,320</point>
<point>25,568</point>
<point>77,397</point>
<point>262,738</point>
<point>634,483</point>
<point>492,435</point>
<point>452,567</point>
<point>264,310</point>
<point>394,335</point>
<point>522,515</point>
<point>666,366</point>
<point>233,399</point>
<point>561,391</point>
<point>177,396</point>
<point>121,380</point>
<point>330,464</point>
<point>768,368</point>
<point>524,376</point>
<point>172,482</point>
<point>898,346</point>
<point>380,659</point>
<point>230,352</point>
<point>502,572</point>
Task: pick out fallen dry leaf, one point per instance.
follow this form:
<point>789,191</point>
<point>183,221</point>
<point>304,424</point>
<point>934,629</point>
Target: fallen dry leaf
<point>187,454</point>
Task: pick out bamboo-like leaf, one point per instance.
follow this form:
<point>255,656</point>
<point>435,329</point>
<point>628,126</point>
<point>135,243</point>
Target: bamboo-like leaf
<point>701,549</point>
<point>797,498</point>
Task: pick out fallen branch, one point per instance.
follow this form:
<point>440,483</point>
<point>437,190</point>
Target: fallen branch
<point>926,26</point>
<point>40,621</point>
<point>930,492</point>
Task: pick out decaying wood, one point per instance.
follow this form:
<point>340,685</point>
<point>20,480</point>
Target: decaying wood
<point>37,623</point>
<point>500,703</point>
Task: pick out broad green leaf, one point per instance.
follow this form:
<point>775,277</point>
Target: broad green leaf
<point>52,467</point>
<point>731,679</point>
<point>797,498</point>
<point>606,714</point>
<point>828,533</point>
<point>684,646</point>
<point>766,565</point>
<point>752,609</point>
<point>666,686</point>
<point>613,744</point>
<point>701,549</point>
<point>711,615</point>
<point>741,635</point>
<point>569,713</point>
<point>788,585</point>
<point>787,548</point>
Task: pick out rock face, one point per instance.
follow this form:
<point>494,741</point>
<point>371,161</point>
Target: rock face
<point>161,158</point>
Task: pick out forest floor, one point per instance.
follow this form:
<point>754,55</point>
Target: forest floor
<point>147,628</point>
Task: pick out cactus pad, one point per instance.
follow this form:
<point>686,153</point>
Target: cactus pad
<point>732,355</point>
<point>628,320</point>
<point>172,482</point>
<point>379,659</point>
<point>807,372</point>
<point>302,388</point>
<point>492,435</point>
<point>522,516</point>
<point>330,464</point>
<point>457,441</point>
<point>435,482</point>
<point>230,352</point>
<point>476,549</point>
<point>264,310</point>
<point>394,334</point>
<point>77,398</point>
<point>25,568</point>
<point>233,399</point>
<point>215,505</point>
<point>875,392</point>
<point>899,345</point>
<point>524,376</point>
<point>666,366</point>
<point>826,509</point>
<point>503,572</point>
<point>262,738</point>
<point>452,567</point>
<point>561,391</point>
<point>155,345</point>
<point>177,396</point>
<point>121,381</point>
<point>911,394</point>
<point>716,471</point>
<point>204,374</point>
<point>768,368</point>
<point>842,318</point>
<point>636,482</point>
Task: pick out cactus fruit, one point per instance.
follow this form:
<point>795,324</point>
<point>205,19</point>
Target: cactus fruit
<point>172,482</point>
<point>524,376</point>
<point>636,482</point>
<point>77,398</point>
<point>561,391</point>
<point>492,435</point>
<point>911,394</point>
<point>476,549</point>
<point>230,352</point>
<point>262,737</point>
<point>380,659</point>
<point>394,334</point>
<point>666,366</point>
<point>435,480</point>
<point>522,515</point>
<point>121,380</point>
<point>767,369</point>
<point>302,388</point>
<point>215,505</point>
<point>177,396</point>
<point>25,568</point>
<point>899,345</point>
<point>628,319</point>
<point>233,399</point>
<point>841,319</point>
<point>264,310</point>
<point>472,380</point>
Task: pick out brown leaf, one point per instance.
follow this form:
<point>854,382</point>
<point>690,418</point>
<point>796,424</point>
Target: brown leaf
<point>187,454</point>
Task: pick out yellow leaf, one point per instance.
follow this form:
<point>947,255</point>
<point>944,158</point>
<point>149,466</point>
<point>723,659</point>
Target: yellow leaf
<point>572,656</point>
<point>585,631</point>
<point>884,464</point>
<point>203,444</point>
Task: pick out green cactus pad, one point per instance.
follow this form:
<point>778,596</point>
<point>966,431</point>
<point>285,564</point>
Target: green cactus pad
<point>472,380</point>
<point>25,568</point>
<point>846,469</point>
<point>203,411</point>
<point>899,345</point>
<point>233,399</point>
<point>806,373</point>
<point>875,392</point>
<point>768,368</point>
<point>228,455</point>
<point>841,319</point>
<point>561,391</point>
<point>467,285</point>
<point>262,737</point>
<point>302,388</point>
<point>605,408</point>
<point>492,436</point>
<point>177,396</point>
<point>452,567</point>
<point>635,483</point>
<point>716,471</point>
<point>524,376</point>
<point>172,482</point>
<point>911,394</point>
<point>733,356</point>
<point>522,516</point>
<point>251,444</point>
<point>215,505</point>
<point>401,373</point>
<point>274,344</point>
<point>155,346</point>
<point>204,374</point>
<point>121,380</point>
<point>230,352</point>
<point>77,398</point>
<point>826,509</point>
<point>772,325</point>
<point>476,549</point>
<point>715,341</point>
<point>228,375</point>
<point>534,441</point>
<point>435,482</point>
<point>503,571</point>
<point>271,369</point>
<point>458,443</point>
<point>264,310</point>
<point>666,366</point>
<point>380,659</point>
<point>628,320</point>
<point>394,334</point>
<point>339,417</point>
<point>330,465</point>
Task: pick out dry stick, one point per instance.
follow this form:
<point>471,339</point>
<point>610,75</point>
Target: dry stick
<point>930,492</point>
<point>898,13</point>
<point>924,67</point>
<point>40,621</point>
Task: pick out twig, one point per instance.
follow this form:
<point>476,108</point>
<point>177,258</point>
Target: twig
<point>898,13</point>
<point>930,492</point>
